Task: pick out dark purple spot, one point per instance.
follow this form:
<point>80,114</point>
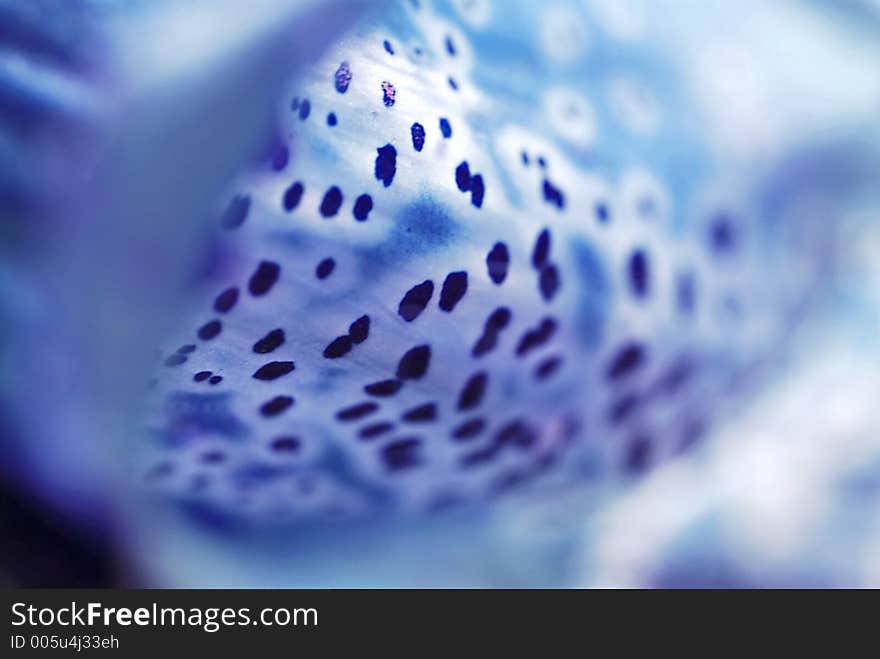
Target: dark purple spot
<point>541,252</point>
<point>388,48</point>
<point>415,300</point>
<point>359,330</point>
<point>638,454</point>
<point>479,457</point>
<point>386,164</point>
<point>402,454</point>
<point>331,202</point>
<point>273,370</point>
<point>628,359</point>
<point>463,176</point>
<point>468,429</point>
<point>414,364</point>
<point>450,47</point>
<point>202,376</point>
<point>497,262</point>
<point>602,212</point>
<point>356,411</point>
<point>418,136</point>
<point>213,457</point>
<point>548,367</point>
<point>331,119</point>
<point>639,275</point>
<point>362,207</point>
<point>304,108</point>
<point>421,414</point>
<point>236,212</point>
<point>280,157</point>
<point>722,234</point>
<point>498,319</point>
<point>535,338</point>
<point>510,479</point>
<point>452,83</point>
<point>209,330</point>
<point>374,430</point>
<point>275,406</point>
<point>516,433</point>
<point>286,444</point>
<point>226,300</point>
<point>384,388</point>
<point>292,196</point>
<point>338,347</point>
<point>325,268</point>
<point>622,408</point>
<point>496,322</point>
<point>454,288</point>
<point>681,371</point>
<point>264,278</point>
<point>215,379</point>
<point>342,78</point>
<point>478,190</point>
<point>553,195</point>
<point>269,342</point>
<point>549,281</point>
<point>472,393</point>
<point>486,343</point>
<point>445,128</point>
<point>388,93</point>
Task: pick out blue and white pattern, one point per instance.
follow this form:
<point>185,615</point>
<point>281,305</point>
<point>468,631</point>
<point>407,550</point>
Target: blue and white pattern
<point>397,271</point>
<point>470,267</point>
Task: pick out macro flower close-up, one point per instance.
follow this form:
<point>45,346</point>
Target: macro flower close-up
<point>440,293</point>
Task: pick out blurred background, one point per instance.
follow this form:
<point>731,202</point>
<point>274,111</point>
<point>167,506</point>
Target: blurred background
<point>125,125</point>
